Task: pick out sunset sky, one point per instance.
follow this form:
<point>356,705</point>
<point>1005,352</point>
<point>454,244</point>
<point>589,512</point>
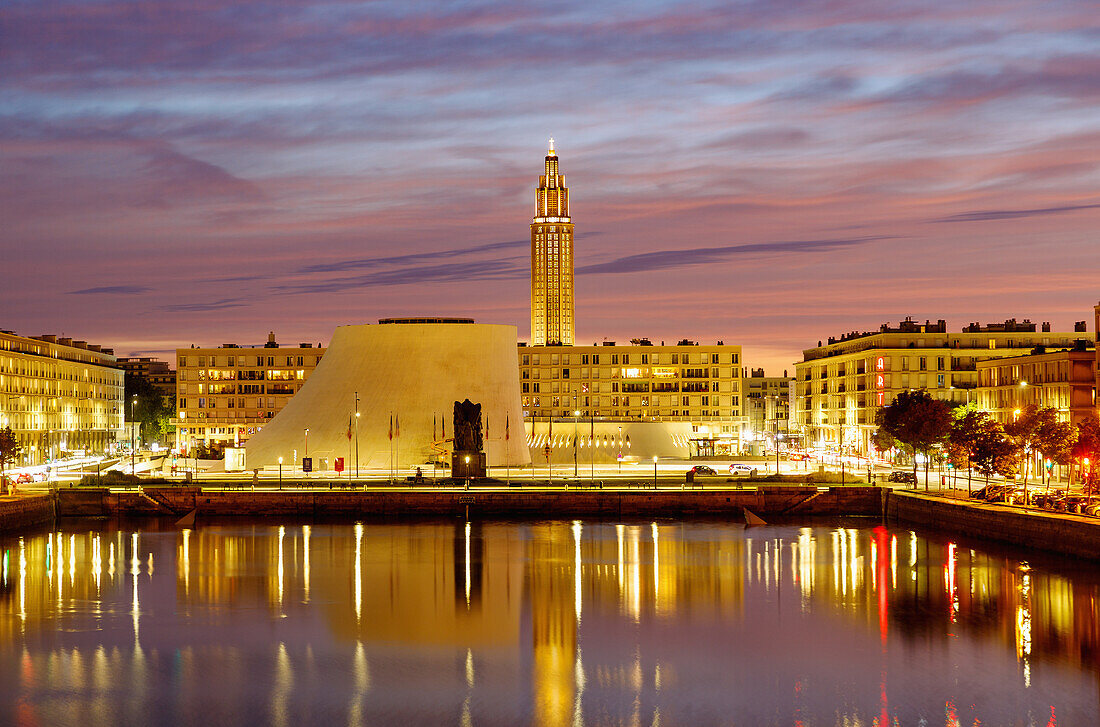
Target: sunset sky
<point>767,173</point>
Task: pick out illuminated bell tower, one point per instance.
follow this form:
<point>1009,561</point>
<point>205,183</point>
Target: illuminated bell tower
<point>551,259</point>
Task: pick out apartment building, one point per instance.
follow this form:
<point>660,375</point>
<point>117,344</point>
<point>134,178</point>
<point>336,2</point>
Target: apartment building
<point>1061,379</point>
<point>767,407</point>
<point>156,371</point>
<point>59,396</point>
<point>842,384</point>
<point>641,382</point>
<point>224,395</point>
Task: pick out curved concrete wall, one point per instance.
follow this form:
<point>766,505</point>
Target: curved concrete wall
<point>412,371</point>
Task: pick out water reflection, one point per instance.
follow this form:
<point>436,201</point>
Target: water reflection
<point>552,623</point>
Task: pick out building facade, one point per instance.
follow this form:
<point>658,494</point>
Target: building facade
<point>552,321</point>
<point>767,409</point>
<point>841,385</point>
<point>1063,380</point>
<point>224,395</point>
<point>59,396</point>
<point>687,382</point>
<point>156,371</point>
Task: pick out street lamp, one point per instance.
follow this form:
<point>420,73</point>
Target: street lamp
<point>654,472</point>
<point>280,473</point>
<point>467,472</point>
<point>620,449</point>
<point>357,435</point>
<point>576,413</point>
<point>133,465</point>
<point>305,451</point>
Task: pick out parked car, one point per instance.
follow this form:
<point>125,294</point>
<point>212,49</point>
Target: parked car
<point>739,469</point>
<point>702,469</point>
<point>797,457</point>
<point>903,476</point>
<point>24,478</point>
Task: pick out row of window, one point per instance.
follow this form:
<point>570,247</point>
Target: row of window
<point>705,400</point>
<point>584,359</point>
<point>200,361</point>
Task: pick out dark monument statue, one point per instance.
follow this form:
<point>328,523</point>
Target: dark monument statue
<point>467,460</point>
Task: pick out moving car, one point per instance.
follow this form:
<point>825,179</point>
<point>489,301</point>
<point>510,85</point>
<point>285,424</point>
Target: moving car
<point>702,469</point>
<point>742,469</point>
<point>903,476</point>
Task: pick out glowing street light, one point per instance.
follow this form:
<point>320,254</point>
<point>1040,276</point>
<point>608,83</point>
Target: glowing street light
<point>654,472</point>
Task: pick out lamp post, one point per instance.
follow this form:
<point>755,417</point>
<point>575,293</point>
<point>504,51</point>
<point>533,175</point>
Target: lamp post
<point>467,472</point>
<point>133,461</point>
<point>620,449</point>
<point>305,451</point>
<point>576,413</point>
<point>654,472</point>
<point>280,473</point>
<point>357,435</point>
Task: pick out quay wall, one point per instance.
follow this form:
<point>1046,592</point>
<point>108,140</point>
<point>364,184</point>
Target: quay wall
<point>25,512</point>
<point>1062,533</point>
<point>785,502</point>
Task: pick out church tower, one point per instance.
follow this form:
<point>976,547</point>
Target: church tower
<point>551,259</point>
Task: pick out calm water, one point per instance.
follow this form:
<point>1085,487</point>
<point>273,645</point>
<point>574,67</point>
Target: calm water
<point>555,623</point>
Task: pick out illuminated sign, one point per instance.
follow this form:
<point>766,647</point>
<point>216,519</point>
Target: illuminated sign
<point>880,364</point>
<point>880,381</point>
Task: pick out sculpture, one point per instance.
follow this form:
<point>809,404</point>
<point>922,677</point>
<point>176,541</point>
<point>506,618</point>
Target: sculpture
<point>467,426</point>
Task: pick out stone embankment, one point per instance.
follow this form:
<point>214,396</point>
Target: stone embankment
<point>26,512</point>
<point>785,502</point>
<point>1062,533</point>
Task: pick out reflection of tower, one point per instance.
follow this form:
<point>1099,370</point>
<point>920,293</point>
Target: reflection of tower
<point>551,259</point>
<point>553,623</point>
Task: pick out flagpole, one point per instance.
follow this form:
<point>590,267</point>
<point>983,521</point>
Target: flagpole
<point>507,461</point>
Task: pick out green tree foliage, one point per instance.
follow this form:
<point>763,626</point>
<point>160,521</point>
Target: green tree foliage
<point>1087,447</point>
<point>152,411</point>
<point>916,421</point>
<point>968,427</point>
<point>1037,429</point>
<point>994,451</point>
<point>10,449</point>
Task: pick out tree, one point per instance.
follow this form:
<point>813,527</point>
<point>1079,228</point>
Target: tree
<point>994,452</point>
<point>152,411</point>
<point>1024,431</point>
<point>10,449</point>
<point>1056,442</point>
<point>1037,429</point>
<point>1086,450</point>
<point>968,426</point>
<point>917,421</point>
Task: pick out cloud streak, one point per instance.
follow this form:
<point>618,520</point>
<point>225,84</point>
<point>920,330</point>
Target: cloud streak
<point>671,259</point>
<point>112,290</point>
<point>993,215</point>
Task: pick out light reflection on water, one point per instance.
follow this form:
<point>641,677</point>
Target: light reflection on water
<point>553,623</point>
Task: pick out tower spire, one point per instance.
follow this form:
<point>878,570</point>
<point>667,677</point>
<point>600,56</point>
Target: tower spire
<point>551,259</point>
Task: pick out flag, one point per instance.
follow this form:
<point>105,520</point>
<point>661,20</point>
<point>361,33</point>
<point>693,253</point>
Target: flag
<point>397,426</point>
<point>391,427</point>
<point>351,420</point>
<point>434,438</point>
<point>505,427</point>
<point>486,428</point>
